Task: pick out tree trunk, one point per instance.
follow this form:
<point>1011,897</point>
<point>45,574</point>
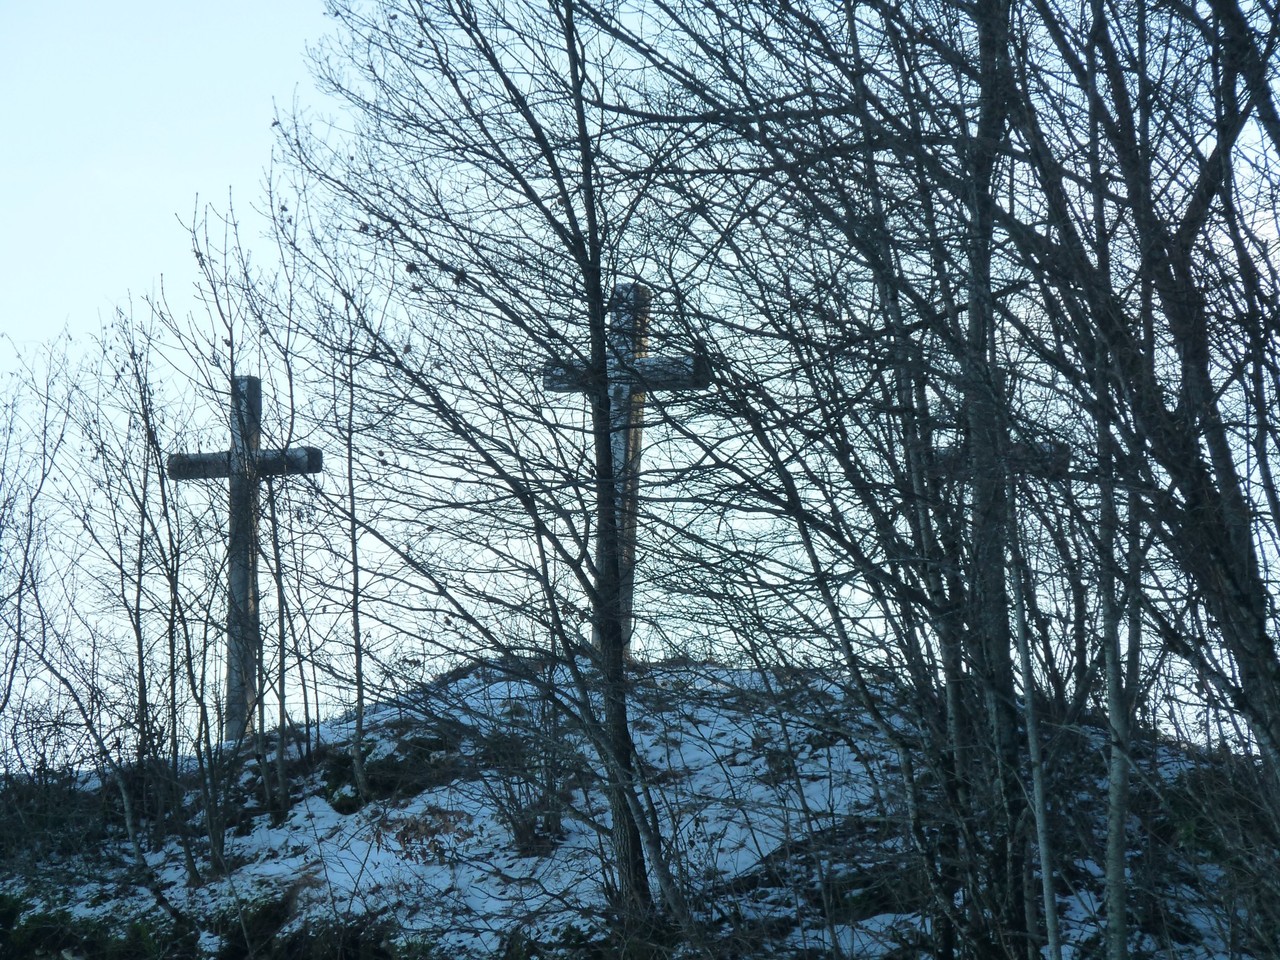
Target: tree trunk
<point>985,402</point>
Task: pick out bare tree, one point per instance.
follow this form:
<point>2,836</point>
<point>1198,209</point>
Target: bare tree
<point>1024,195</point>
<point>470,232</point>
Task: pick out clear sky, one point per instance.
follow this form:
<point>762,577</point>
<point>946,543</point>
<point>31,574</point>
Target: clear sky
<point>114,119</point>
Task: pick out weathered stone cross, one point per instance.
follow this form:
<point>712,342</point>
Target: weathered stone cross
<point>244,464</point>
<point>631,374</point>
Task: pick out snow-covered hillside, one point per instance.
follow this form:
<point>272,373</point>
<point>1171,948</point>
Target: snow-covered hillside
<point>779,806</point>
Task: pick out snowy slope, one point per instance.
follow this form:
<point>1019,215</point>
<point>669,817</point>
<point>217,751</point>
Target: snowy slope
<point>778,805</point>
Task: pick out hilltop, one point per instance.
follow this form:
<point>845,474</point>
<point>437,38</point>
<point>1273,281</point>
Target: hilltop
<point>780,806</point>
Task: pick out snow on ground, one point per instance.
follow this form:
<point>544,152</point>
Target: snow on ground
<point>772,798</point>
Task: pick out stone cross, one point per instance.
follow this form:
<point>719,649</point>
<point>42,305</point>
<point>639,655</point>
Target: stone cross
<point>244,464</point>
<point>631,373</point>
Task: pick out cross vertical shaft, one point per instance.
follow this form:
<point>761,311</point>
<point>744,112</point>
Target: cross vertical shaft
<point>628,341</point>
<point>243,627</point>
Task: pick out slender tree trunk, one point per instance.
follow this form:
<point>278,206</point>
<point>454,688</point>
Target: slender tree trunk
<point>1116,882</point>
<point>281,800</point>
<point>1115,869</point>
<point>1040,804</point>
<point>985,402</point>
<point>145,751</point>
<point>608,602</point>
<point>633,883</point>
<point>353,545</point>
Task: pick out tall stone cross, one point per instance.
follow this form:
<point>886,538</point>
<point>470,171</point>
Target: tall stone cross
<point>244,464</point>
<point>631,373</point>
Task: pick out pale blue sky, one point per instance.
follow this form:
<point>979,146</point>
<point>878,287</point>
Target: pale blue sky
<point>114,117</point>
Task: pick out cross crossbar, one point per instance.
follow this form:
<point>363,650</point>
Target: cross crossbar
<point>647,374</point>
<point>269,463</point>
